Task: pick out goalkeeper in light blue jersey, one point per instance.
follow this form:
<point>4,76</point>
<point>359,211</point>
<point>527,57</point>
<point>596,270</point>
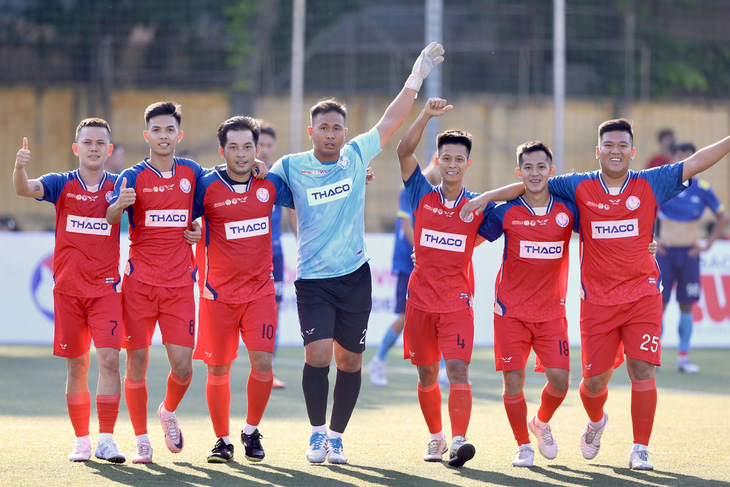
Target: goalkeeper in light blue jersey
<point>333,285</point>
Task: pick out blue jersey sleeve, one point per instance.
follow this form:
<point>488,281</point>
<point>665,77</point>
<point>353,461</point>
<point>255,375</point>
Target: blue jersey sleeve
<point>53,184</point>
<point>576,215</point>
<point>417,187</point>
<point>492,226</point>
<point>665,181</point>
<point>281,169</point>
<point>283,193</point>
<point>564,186</point>
<point>366,146</point>
<point>201,187</point>
<point>197,168</point>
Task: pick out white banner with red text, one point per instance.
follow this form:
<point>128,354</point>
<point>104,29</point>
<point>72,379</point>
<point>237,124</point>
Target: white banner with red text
<point>26,283</point>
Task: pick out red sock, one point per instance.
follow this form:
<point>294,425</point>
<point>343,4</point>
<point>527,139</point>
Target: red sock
<point>643,409</point>
<point>176,388</point>
<point>550,401</point>
<point>79,410</point>
<point>107,409</point>
<point>258,391</point>
<point>516,408</point>
<point>593,402</point>
<point>459,408</point>
<point>218,394</point>
<point>430,400</point>
<point>135,395</point>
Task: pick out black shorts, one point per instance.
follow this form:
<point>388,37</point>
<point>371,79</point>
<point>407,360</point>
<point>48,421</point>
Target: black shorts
<point>336,307</point>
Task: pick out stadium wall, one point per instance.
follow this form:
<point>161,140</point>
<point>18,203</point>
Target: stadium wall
<point>49,117</point>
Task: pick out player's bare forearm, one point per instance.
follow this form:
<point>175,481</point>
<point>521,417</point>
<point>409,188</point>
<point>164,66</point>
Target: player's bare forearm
<point>23,186</point>
<point>705,158</point>
<point>395,115</point>
<point>505,193</point>
<point>407,145</point>
<point>114,213</point>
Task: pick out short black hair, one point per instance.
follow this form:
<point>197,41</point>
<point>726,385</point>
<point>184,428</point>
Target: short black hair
<point>239,122</point>
<point>615,125</point>
<point>532,146</point>
<point>163,108</point>
<point>93,122</point>
<point>454,136</point>
<point>326,105</point>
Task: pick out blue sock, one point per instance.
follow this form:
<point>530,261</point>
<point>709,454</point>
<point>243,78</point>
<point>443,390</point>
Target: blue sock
<point>685,331</point>
<point>387,343</point>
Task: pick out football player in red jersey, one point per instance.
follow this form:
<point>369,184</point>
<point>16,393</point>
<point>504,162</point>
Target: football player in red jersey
<point>87,303</point>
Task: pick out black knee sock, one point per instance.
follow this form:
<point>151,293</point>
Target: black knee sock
<point>347,389</point>
<point>316,386</point>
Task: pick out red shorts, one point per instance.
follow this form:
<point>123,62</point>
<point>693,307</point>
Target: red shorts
<point>513,339</point>
<point>220,324</point>
<point>79,320</point>
<point>146,305</point>
<point>605,330</point>
<point>428,335</point>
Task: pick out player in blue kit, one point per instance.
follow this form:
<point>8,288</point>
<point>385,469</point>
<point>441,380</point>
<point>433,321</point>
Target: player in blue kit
<point>678,253</point>
<point>333,286</point>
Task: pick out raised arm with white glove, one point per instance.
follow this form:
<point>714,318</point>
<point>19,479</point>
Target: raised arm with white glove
<point>429,57</point>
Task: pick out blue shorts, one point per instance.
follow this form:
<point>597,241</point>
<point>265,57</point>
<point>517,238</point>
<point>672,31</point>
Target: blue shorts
<point>278,261</point>
<point>677,267</point>
<point>401,292</point>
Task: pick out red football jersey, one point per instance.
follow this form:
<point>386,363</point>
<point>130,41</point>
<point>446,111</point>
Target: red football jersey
<point>159,255</point>
<point>237,246</point>
<point>616,230</point>
<point>86,255</point>
<point>442,280</point>
<point>532,283</point>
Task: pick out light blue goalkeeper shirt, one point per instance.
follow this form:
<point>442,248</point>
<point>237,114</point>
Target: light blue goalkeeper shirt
<point>329,198</point>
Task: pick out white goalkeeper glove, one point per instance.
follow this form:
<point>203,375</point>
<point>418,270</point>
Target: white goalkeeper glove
<point>429,57</point>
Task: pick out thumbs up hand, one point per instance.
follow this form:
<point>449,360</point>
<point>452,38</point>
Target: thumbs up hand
<point>127,196</point>
<point>23,157</point>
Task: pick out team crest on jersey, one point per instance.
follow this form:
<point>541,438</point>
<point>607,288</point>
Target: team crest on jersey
<point>633,203</point>
<point>468,219</point>
<point>343,162</point>
<point>262,194</point>
<point>562,219</point>
<point>108,196</point>
<point>185,185</point>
